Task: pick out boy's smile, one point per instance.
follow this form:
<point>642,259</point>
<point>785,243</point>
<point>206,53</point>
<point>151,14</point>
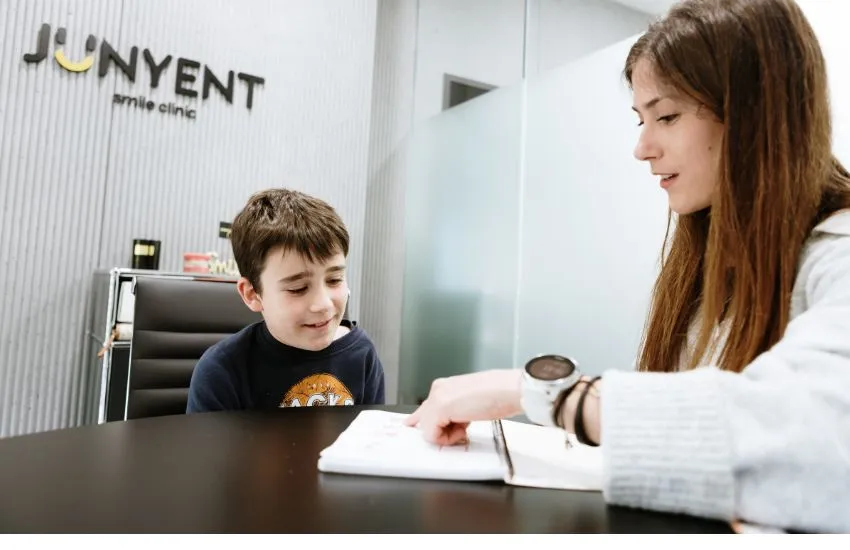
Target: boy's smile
<point>302,301</point>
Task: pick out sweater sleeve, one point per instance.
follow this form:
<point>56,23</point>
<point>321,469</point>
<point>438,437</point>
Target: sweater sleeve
<point>769,446</point>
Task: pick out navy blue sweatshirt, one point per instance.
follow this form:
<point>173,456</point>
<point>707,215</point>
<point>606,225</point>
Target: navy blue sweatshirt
<point>252,370</point>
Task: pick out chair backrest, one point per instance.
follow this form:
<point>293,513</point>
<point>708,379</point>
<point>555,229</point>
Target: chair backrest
<point>174,322</point>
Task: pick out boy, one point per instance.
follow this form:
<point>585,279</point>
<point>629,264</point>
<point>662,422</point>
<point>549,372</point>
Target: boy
<point>291,250</point>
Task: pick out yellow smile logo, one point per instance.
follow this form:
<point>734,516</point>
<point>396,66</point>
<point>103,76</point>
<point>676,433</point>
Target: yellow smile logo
<point>74,66</point>
<point>59,54</point>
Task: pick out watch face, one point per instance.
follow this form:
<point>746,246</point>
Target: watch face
<point>550,367</point>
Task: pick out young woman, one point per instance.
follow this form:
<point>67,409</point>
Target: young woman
<point>740,405</point>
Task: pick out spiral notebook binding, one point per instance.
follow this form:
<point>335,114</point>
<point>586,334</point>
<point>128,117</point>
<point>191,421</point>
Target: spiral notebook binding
<point>502,447</point>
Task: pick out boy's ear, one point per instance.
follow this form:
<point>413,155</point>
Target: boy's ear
<point>250,296</point>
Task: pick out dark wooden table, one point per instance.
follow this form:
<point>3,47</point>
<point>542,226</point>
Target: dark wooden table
<point>256,472</point>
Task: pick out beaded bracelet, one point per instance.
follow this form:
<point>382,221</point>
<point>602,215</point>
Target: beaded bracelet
<point>578,423</point>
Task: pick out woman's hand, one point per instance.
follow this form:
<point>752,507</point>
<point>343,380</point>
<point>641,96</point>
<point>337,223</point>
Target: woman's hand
<point>456,401</point>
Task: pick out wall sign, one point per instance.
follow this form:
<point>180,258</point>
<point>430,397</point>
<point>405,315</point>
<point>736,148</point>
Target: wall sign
<point>188,73</point>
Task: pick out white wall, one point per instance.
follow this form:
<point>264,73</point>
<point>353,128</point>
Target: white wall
<point>561,31</point>
<point>648,6</point>
<point>383,246</point>
<point>483,40</point>
<point>480,40</point>
<point>828,18</point>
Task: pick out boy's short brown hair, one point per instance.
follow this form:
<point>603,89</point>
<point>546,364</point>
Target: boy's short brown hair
<point>287,219</point>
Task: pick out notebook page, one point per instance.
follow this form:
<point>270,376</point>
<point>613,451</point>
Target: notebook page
<point>377,443</point>
<point>540,458</point>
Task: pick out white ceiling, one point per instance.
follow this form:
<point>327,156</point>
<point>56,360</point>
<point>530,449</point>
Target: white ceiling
<point>655,7</point>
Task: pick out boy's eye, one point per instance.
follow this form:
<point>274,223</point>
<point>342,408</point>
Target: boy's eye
<point>335,282</point>
<point>301,290</point>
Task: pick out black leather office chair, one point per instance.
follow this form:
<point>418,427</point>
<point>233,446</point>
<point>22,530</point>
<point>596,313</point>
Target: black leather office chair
<point>175,321</point>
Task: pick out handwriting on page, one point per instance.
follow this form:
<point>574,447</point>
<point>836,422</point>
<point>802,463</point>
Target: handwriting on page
<point>389,435</point>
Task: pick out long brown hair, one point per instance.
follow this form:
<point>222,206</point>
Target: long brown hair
<point>756,65</point>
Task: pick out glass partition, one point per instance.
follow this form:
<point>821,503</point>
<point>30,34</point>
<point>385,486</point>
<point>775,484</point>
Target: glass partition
<point>529,227</point>
<point>462,172</point>
<point>593,217</point>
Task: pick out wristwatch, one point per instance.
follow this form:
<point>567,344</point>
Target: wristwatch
<point>545,378</point>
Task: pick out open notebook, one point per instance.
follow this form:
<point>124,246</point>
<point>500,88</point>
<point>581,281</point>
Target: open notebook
<point>378,443</point>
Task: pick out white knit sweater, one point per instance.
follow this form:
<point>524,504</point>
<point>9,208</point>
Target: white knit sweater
<point>769,446</point>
